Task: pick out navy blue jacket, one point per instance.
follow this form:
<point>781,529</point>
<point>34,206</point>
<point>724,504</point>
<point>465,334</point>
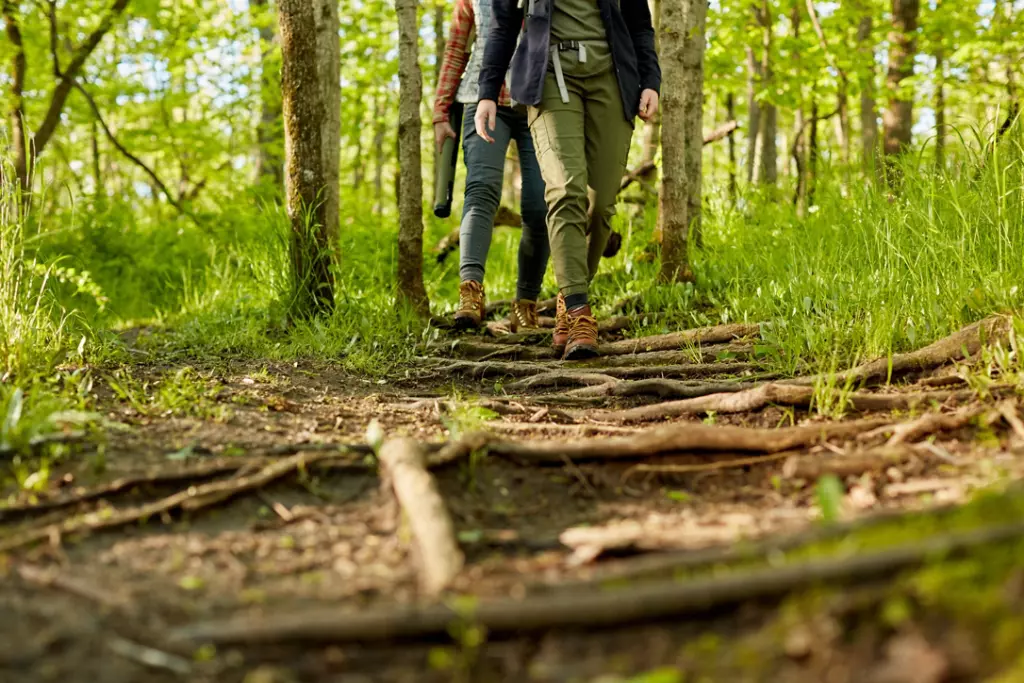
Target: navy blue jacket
<point>630,37</point>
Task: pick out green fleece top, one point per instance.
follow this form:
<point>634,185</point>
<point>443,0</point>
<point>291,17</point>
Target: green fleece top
<point>576,20</point>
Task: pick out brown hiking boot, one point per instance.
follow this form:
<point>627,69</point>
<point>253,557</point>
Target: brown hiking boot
<point>523,315</point>
<point>582,342</point>
<point>561,336</point>
<point>471,305</point>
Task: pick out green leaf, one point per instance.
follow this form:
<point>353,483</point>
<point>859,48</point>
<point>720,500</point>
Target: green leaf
<point>830,497</point>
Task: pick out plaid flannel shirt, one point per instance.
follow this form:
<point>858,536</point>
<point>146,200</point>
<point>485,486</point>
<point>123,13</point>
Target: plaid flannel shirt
<point>456,55</point>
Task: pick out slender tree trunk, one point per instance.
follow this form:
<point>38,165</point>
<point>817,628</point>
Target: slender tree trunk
<point>682,134</point>
<point>303,107</point>
<point>328,51</point>
<point>269,136</point>
<point>767,168</point>
<point>410,196</point>
<point>97,174</point>
<point>379,122</point>
<point>868,106</point>
<point>19,135</point>
<point>798,151</point>
<point>812,154</point>
<point>651,140</point>
<point>730,106</point>
<point>754,114</point>
<point>940,111</point>
<point>358,163</point>
<point>899,117</point>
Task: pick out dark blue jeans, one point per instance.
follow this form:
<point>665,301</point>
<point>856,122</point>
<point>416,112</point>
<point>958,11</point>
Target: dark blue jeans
<point>485,166</point>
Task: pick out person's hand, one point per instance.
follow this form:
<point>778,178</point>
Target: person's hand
<point>442,131</point>
<point>486,119</point>
<point>648,104</point>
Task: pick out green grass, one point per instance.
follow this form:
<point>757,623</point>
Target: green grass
<point>858,277</point>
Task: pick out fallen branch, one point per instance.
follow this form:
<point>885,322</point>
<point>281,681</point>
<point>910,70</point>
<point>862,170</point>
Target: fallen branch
<point>192,498</point>
<point>404,465</point>
<point>585,609</point>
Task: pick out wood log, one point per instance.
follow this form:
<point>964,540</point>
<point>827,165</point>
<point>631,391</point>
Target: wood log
<point>404,466</point>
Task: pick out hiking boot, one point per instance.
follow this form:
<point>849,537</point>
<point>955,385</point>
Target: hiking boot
<point>523,315</point>
<point>471,305</point>
<point>582,342</point>
<point>561,335</point>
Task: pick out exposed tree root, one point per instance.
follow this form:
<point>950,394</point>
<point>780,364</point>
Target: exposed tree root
<point>404,466</point>
<point>670,439</point>
<point>662,388</point>
<point>673,562</point>
<point>607,326</point>
<point>957,346</point>
<point>565,375</point>
<point>778,394</point>
<point>558,379</point>
<point>585,609</point>
<point>678,340</point>
<point>193,498</point>
<point>927,424</point>
<point>705,355</point>
<point>815,466</point>
<point>712,466</point>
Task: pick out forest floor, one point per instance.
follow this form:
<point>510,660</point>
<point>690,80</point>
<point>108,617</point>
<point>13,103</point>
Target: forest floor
<point>667,512</point>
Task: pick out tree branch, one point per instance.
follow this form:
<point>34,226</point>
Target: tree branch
<point>67,80</point>
<point>829,57</point>
<point>128,155</point>
<point>51,15</point>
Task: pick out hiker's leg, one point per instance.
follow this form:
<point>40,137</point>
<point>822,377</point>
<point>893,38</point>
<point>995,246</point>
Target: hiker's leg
<point>533,246</point>
<point>485,172</point>
<point>558,136</point>
<point>608,138</point>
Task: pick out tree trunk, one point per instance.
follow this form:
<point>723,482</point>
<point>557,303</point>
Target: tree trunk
<point>410,195</point>
<point>303,108</point>
<point>799,148</point>
<point>19,136</point>
<point>379,121</point>
<point>812,154</point>
<point>328,54</point>
<point>899,117</point>
<point>682,134</point>
<point>767,167</point>
<point>754,112</point>
<point>868,107</point>
<point>651,140</point>
<point>940,110</point>
<point>97,174</point>
<point>270,161</point>
<point>730,106</point>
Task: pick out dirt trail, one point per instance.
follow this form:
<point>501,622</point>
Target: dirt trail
<point>554,475</point>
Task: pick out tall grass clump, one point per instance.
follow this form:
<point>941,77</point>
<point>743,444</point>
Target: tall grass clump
<point>33,327</point>
<point>881,270</point>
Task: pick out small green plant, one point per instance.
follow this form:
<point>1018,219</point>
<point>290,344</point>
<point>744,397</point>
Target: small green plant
<point>829,493</point>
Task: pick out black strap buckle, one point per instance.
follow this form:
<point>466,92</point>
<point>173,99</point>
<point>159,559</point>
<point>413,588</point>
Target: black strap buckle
<point>568,45</point>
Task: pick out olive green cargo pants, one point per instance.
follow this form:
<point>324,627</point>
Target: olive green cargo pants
<point>580,144</point>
